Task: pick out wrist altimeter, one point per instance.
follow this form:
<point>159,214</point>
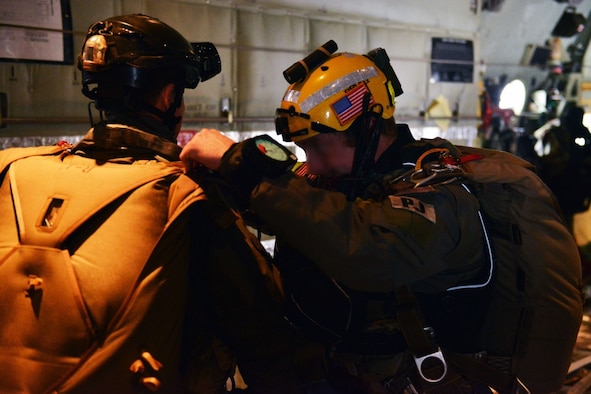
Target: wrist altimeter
<point>268,155</point>
<point>246,163</point>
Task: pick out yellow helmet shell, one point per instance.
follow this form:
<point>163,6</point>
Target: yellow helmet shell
<point>332,96</point>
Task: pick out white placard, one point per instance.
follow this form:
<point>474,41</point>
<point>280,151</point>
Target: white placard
<point>32,44</point>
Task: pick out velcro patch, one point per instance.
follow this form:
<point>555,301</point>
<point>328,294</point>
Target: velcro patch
<point>414,205</point>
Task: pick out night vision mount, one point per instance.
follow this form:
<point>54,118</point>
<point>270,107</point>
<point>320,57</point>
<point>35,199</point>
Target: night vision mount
<point>298,71</point>
<point>208,60</point>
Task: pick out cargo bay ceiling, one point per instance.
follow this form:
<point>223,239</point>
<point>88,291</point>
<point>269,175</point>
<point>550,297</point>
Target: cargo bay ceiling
<point>258,39</point>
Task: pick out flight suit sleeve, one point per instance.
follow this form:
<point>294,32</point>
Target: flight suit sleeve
<point>430,236</point>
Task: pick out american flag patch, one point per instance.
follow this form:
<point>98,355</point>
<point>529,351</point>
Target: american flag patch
<point>351,105</point>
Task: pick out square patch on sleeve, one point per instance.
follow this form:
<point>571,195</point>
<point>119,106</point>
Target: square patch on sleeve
<point>414,205</point>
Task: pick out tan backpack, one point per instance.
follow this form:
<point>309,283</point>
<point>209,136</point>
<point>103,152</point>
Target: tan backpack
<point>93,266</point>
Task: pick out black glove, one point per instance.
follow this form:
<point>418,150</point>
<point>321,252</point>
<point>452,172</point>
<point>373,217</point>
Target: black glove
<point>246,163</point>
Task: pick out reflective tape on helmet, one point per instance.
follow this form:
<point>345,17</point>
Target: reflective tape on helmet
<point>292,96</point>
<point>337,86</point>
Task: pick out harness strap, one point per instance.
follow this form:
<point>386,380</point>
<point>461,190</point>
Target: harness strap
<point>411,323</point>
<point>451,365</point>
<point>419,340</point>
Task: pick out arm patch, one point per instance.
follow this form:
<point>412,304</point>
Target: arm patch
<point>414,205</point>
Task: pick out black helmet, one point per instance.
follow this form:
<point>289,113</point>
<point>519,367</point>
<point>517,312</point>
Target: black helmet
<point>129,56</point>
<point>130,49</point>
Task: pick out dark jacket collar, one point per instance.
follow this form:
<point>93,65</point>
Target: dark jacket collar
<point>392,158</point>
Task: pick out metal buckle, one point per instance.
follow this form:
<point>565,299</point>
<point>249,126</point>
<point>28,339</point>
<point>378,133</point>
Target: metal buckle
<point>437,355</point>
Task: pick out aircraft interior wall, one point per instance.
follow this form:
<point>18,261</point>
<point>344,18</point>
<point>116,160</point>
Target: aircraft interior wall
<point>257,40</point>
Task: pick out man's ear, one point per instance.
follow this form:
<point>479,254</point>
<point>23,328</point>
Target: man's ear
<point>167,96</point>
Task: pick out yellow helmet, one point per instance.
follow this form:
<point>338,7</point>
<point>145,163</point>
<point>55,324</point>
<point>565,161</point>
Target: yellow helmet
<point>333,95</point>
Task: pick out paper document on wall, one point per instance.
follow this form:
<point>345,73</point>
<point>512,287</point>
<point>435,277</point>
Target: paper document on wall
<point>41,36</point>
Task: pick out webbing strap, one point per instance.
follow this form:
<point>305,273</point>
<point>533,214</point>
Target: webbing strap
<point>423,348</point>
<point>411,323</point>
<point>417,337</point>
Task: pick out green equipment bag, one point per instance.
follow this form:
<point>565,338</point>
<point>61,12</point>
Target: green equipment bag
<point>536,300</point>
<point>94,273</point>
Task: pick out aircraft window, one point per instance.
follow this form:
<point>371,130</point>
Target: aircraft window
<point>513,96</point>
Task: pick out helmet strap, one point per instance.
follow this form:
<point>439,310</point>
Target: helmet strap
<point>368,131</point>
<point>91,117</point>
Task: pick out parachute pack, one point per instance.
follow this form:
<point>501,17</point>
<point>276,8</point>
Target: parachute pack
<point>92,272</point>
<point>532,284</point>
<point>536,303</point>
